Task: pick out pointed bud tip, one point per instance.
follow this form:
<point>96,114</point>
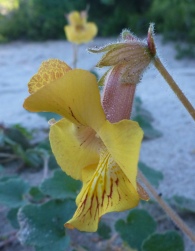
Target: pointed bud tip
<point>127,35</point>
<point>150,40</point>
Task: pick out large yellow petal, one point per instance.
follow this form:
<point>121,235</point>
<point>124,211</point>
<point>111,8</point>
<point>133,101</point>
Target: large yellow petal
<point>70,154</point>
<point>106,190</point>
<point>74,96</point>
<point>81,34</point>
<point>91,31</point>
<point>123,141</point>
<point>49,71</point>
<point>75,18</point>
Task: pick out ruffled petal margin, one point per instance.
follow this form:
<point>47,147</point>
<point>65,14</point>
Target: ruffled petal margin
<point>74,96</point>
<point>49,71</point>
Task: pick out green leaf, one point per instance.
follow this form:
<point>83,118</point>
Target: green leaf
<point>17,136</point>
<point>12,217</point>
<point>23,130</point>
<point>1,168</point>
<point>32,158</point>
<point>36,194</point>
<point>45,144</point>
<point>43,225</point>
<point>149,131</point>
<point>108,2</point>
<point>145,119</point>
<point>139,110</point>
<point>102,80</point>
<point>104,230</point>
<point>152,175</point>
<point>60,245</point>
<point>60,186</point>
<point>2,137</point>
<point>170,241</point>
<point>12,192</point>
<point>52,163</point>
<point>137,227</point>
<point>5,178</point>
<point>183,204</point>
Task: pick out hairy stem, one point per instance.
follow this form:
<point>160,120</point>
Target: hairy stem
<point>169,211</point>
<point>158,64</point>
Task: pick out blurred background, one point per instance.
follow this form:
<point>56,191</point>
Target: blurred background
<point>44,19</point>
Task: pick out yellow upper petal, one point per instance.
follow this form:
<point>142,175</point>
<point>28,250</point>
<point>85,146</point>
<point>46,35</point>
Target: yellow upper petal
<point>49,71</point>
<point>70,154</point>
<point>74,96</point>
<point>123,141</point>
<point>75,18</point>
<point>105,190</point>
<point>81,34</point>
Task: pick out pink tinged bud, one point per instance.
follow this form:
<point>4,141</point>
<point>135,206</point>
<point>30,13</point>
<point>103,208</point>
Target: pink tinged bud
<point>117,98</point>
<point>150,40</point>
<point>128,59</point>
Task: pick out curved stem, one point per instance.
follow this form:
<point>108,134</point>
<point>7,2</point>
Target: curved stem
<point>169,211</point>
<point>158,64</point>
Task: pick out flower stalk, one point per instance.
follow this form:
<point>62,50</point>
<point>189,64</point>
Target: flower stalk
<point>75,55</point>
<point>163,71</point>
<point>168,210</point>
<point>171,82</point>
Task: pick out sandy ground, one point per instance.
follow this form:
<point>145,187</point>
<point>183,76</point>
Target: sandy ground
<point>173,153</point>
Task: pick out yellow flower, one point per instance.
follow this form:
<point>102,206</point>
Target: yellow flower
<point>88,147</point>
<point>79,30</point>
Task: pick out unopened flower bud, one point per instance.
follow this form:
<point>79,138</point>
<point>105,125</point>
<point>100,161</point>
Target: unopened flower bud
<point>150,40</point>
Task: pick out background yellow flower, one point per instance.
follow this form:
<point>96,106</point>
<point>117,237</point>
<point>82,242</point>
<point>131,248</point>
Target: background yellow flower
<point>79,30</point>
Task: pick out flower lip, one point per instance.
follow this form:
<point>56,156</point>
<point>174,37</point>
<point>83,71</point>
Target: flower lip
<point>106,189</point>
